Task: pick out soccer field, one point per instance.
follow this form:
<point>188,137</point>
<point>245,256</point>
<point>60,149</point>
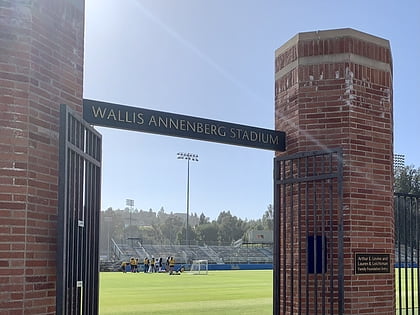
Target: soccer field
<point>407,278</point>
<point>219,292</point>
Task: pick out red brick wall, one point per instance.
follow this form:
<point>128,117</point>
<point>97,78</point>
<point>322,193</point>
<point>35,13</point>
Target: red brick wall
<point>41,66</point>
<point>334,89</point>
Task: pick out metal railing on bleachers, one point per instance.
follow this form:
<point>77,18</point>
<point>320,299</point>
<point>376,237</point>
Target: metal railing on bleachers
<point>215,254</point>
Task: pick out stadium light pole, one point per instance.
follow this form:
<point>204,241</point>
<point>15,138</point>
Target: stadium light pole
<point>130,203</point>
<point>189,157</point>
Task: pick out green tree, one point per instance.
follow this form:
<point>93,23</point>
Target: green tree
<point>166,228</point>
<point>407,180</point>
<point>230,227</point>
<point>203,219</point>
<point>147,234</point>
<point>268,218</point>
<point>181,236</point>
<point>116,225</point>
<point>171,227</point>
<point>161,214</point>
<point>207,233</point>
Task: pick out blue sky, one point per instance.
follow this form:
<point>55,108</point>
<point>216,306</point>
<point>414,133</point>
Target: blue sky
<point>215,59</point>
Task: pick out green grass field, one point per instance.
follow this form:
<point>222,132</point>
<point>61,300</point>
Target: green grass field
<point>409,290</point>
<point>219,292</point>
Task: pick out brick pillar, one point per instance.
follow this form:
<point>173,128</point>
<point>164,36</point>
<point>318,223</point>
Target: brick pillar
<point>41,66</point>
<point>334,89</point>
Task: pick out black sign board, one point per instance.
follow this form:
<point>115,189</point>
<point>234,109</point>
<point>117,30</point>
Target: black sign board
<point>372,263</point>
<point>169,124</point>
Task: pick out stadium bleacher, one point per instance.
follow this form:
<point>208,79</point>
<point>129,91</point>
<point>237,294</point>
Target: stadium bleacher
<point>215,254</point>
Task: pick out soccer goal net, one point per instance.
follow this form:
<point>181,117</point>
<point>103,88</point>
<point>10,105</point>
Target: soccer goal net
<point>200,267</point>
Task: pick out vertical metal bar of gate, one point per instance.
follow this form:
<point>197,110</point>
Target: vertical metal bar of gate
<point>340,236</point>
<point>308,198</point>
<point>78,216</point>
<point>417,244</point>
<point>276,249</point>
<point>407,247</point>
<point>314,241</point>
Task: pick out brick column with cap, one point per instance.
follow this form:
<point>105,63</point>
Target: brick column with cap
<point>41,66</point>
<point>334,89</point>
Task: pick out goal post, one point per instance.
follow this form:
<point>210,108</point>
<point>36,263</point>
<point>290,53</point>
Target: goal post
<point>200,267</point>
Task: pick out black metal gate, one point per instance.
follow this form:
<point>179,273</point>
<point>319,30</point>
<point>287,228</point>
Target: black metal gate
<point>78,216</point>
<point>407,247</point>
<point>308,233</point>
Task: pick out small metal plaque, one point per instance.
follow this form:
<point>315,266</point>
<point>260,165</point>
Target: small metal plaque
<point>366,263</point>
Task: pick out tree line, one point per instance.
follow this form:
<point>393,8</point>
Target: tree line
<point>162,228</point>
<point>407,180</point>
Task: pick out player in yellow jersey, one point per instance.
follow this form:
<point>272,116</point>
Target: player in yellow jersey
<point>152,265</point>
<point>123,266</point>
<point>171,265</point>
